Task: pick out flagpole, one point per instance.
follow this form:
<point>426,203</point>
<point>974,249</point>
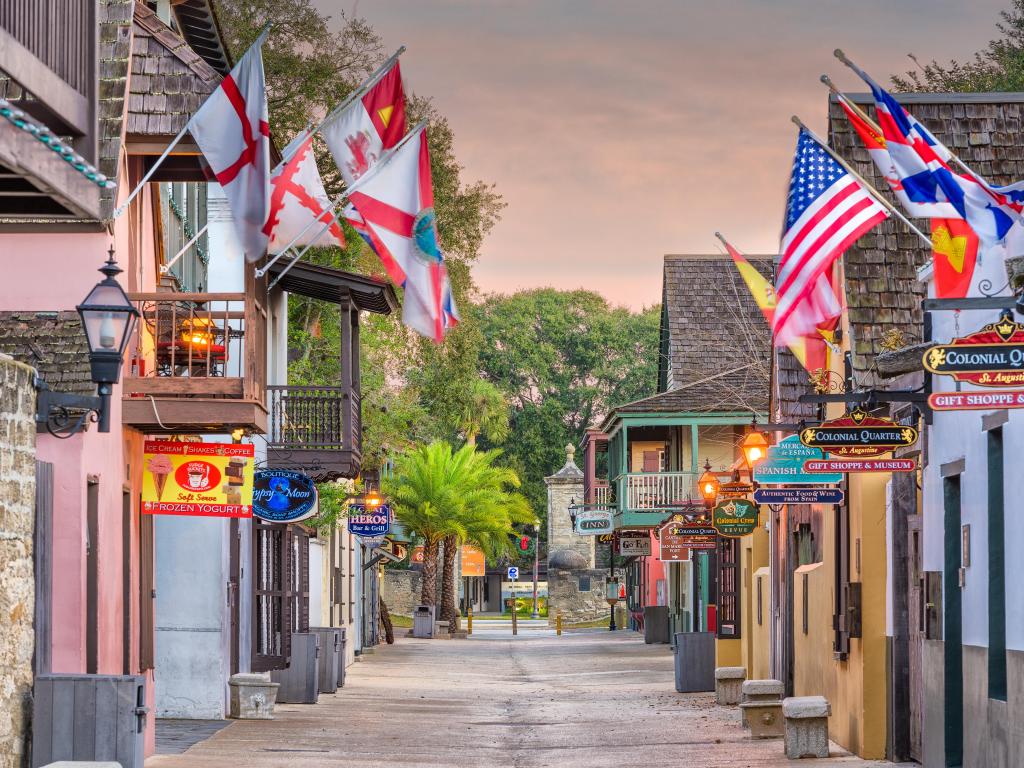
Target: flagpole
<point>309,245</point>
<point>874,192</point>
<point>181,134</point>
<point>367,84</point>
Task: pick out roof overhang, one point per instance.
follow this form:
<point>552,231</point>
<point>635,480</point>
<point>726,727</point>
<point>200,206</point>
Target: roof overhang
<point>328,284</point>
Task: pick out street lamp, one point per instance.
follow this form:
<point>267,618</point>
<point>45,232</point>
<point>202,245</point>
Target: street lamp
<point>107,319</point>
<point>754,446</point>
<point>536,564</point>
<point>373,499</point>
<point>572,513</point>
<point>708,484</point>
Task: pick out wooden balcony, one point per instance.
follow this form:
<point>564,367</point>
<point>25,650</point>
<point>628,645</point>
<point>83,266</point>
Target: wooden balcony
<point>198,364</point>
<point>316,430</point>
<point>645,499</point>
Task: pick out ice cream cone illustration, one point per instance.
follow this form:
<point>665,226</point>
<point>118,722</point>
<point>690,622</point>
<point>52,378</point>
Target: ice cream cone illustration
<point>160,467</point>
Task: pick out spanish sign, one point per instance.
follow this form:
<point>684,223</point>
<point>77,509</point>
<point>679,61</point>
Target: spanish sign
<point>735,517</point>
<point>199,479</point>
<point>634,543</point>
<point>865,465</point>
<point>798,495</point>
<point>858,434</point>
<point>976,401</point>
<point>594,523</point>
<point>283,496</point>
<point>785,464</point>
<point>990,357</point>
<point>373,523</point>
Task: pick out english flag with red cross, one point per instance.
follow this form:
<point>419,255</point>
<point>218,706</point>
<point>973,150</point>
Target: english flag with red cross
<point>396,203</point>
<point>358,136</point>
<point>232,131</point>
<point>298,198</point>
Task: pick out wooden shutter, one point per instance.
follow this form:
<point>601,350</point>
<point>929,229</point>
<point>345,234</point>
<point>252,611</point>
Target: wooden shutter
<point>271,608</point>
<point>147,594</point>
<point>652,461</point>
<point>728,588</point>
<point>43,551</point>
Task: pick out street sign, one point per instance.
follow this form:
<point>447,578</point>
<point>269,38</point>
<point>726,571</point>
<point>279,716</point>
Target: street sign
<point>861,465</point>
<point>594,523</point>
<point>513,573</point>
<point>634,543</point>
<point>372,523</point>
<point>672,547</point>
<point>798,495</point>
<point>785,464</point>
<point>976,401</point>
<point>857,434</point>
<point>990,357</point>
<point>372,542</point>
<point>735,517</point>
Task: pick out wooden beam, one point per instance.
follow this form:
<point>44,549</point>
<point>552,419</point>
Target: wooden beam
<point>184,385</point>
<point>193,416</point>
<point>67,104</point>
<point>154,145</point>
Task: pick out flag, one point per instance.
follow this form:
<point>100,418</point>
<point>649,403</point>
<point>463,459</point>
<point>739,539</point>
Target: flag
<point>232,132</point>
<point>827,210</point>
<point>396,204</point>
<point>954,257</point>
<point>372,123</point>
<point>922,165</point>
<point>297,199</point>
<point>810,350</point>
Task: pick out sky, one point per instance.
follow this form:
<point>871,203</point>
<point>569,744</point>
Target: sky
<point>617,132</point>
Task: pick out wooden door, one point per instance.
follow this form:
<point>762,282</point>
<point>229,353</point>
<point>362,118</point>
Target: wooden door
<point>915,612</point>
<point>233,587</point>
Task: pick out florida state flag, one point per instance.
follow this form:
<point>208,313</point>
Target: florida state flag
<point>233,134</point>
<point>954,256</point>
<point>358,136</point>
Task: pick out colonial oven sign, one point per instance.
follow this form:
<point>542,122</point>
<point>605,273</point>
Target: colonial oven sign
<point>375,522</point>
<point>990,357</point>
<point>858,435</point>
<point>735,517</point>
<point>283,496</point>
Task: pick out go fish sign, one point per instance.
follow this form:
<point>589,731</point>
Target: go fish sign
<point>200,479</point>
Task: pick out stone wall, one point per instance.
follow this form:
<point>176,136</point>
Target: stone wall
<point>576,605</point>
<point>17,584</point>
<point>400,590</point>
<point>564,487</point>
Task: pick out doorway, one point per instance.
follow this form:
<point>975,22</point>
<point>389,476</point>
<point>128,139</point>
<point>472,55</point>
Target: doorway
<point>953,631</point>
<point>915,614</point>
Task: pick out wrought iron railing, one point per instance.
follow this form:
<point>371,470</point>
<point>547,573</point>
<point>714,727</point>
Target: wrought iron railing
<point>313,418</point>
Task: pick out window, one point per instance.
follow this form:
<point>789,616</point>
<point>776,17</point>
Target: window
<point>996,568</point>
<point>728,588</point>
<point>184,215</point>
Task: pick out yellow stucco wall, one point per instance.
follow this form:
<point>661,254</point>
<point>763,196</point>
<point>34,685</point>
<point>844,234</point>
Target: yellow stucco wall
<point>728,653</point>
<point>758,665</point>
<point>636,453</point>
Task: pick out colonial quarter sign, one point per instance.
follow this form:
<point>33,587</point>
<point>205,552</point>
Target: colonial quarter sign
<point>990,357</point>
<point>858,435</point>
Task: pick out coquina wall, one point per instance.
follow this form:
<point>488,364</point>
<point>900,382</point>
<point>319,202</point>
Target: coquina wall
<point>17,585</point>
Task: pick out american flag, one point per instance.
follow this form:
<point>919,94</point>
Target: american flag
<point>827,210</point>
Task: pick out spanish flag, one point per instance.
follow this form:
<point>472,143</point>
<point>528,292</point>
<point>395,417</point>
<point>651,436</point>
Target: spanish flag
<point>954,256</point>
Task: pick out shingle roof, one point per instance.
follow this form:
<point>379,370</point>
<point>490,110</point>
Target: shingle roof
<point>169,80</point>
<point>53,343</point>
<point>713,324</point>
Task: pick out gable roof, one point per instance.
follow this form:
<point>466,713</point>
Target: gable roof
<point>169,81</point>
<point>711,324</point>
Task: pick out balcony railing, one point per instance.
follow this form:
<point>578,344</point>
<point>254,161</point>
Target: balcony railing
<point>602,494</point>
<point>313,418</point>
<point>655,491</point>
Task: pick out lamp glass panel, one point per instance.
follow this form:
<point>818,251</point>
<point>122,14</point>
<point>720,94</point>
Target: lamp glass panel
<point>106,330</point>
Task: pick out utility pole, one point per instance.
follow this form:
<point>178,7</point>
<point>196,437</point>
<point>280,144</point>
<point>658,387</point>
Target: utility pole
<point>611,603</point>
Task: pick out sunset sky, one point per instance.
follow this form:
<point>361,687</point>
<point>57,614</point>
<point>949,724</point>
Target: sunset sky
<point>621,131</point>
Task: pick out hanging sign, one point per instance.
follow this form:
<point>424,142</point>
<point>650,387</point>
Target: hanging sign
<point>785,464</point>
<point>697,535</point>
<point>866,465</point>
<point>473,563</point>
<point>858,434</point>
<point>283,496</point>
<point>798,495</point>
<point>594,523</point>
<point>375,522</point>
<point>672,540</point>
<point>199,479</point>
<point>976,401</point>
<point>990,357</point>
<point>416,558</point>
<point>634,543</point>
<point>735,517</point>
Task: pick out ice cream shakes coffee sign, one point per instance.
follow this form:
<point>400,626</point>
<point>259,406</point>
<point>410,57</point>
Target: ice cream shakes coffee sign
<point>201,479</point>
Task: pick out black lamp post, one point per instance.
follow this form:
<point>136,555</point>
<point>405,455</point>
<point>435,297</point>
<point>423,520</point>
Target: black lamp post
<point>107,319</point>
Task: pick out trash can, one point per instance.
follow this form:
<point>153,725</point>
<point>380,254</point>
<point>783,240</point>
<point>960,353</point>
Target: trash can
<point>330,646</point>
<point>656,624</point>
<point>342,659</point>
<point>695,661</point>
<point>423,621</point>
<point>300,680</point>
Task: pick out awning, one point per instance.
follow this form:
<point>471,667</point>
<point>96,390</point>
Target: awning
<point>327,284</point>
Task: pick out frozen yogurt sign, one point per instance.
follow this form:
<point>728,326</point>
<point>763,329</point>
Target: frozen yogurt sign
<point>199,479</point>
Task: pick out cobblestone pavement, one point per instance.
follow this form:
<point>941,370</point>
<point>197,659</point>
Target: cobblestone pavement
<point>584,700</point>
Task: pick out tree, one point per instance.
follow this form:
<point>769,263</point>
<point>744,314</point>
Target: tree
<point>999,67</point>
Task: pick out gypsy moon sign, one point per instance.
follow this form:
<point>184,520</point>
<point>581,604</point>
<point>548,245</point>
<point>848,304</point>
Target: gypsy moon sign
<point>283,496</point>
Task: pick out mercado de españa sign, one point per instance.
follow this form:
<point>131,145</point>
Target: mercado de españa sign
<point>990,357</point>
<point>784,464</point>
<point>858,435</point>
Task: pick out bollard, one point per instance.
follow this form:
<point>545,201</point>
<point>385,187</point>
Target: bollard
<point>469,620</point>
<point>558,624</point>
<point>515,624</point>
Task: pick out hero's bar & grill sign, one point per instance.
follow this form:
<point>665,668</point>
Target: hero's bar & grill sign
<point>858,435</point>
<point>990,357</point>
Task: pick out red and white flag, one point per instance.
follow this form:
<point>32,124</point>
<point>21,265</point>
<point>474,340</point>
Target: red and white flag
<point>358,136</point>
<point>231,129</point>
<point>396,204</point>
<point>298,199</point>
